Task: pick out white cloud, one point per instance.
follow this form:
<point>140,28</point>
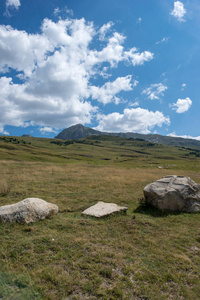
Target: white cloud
<point>2,131</point>
<point>65,10</point>
<point>56,11</point>
<point>107,93</point>
<point>138,58</point>
<point>134,104</point>
<point>114,53</point>
<point>164,40</point>
<point>104,73</point>
<point>179,11</point>
<point>155,91</point>
<point>104,29</point>
<point>13,3</point>
<point>58,69</point>
<point>134,119</point>
<point>45,130</point>
<point>182,105</point>
<point>173,134</point>
<point>21,51</point>
<point>183,86</point>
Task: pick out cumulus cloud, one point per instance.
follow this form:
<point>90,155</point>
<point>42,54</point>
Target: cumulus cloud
<point>173,134</point>
<point>155,91</point>
<point>107,93</point>
<point>57,70</point>
<point>21,51</point>
<point>132,120</point>
<point>138,58</point>
<point>182,105</point>
<point>179,11</point>
<point>114,53</point>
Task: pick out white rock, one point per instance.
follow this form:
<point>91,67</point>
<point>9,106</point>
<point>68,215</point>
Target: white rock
<point>27,211</point>
<point>102,209</point>
<point>175,193</point>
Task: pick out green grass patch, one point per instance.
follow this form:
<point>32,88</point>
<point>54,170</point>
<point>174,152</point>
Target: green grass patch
<point>17,286</point>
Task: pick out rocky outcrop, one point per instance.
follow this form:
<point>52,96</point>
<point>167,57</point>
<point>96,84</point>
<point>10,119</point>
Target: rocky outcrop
<point>102,209</point>
<point>27,211</point>
<point>174,193</point>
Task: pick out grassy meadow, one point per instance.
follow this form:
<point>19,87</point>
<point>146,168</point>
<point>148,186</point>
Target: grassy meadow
<point>143,254</point>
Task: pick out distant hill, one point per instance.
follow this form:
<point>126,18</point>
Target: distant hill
<point>79,131</point>
<point>26,135</point>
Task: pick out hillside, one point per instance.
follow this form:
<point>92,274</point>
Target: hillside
<point>102,149</point>
<point>143,254</point>
<point>79,131</point>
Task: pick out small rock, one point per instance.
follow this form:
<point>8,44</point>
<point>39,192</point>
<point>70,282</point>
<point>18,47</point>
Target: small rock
<point>27,211</point>
<point>195,248</point>
<point>102,209</point>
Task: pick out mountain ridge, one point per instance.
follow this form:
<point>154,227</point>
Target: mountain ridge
<point>79,131</point>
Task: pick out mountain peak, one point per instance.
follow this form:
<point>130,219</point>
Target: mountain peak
<point>76,132</point>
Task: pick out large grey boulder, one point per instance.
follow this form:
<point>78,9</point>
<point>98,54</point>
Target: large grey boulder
<point>102,209</point>
<point>175,193</point>
<point>27,211</point>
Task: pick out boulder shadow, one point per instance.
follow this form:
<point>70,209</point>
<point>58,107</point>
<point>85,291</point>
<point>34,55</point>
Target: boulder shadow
<point>146,208</point>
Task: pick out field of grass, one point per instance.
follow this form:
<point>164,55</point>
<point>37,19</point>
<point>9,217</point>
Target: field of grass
<point>143,254</point>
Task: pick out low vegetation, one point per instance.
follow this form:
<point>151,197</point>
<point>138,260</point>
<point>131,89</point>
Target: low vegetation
<point>145,254</point>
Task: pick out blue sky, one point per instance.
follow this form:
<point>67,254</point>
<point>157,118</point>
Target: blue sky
<point>112,65</point>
